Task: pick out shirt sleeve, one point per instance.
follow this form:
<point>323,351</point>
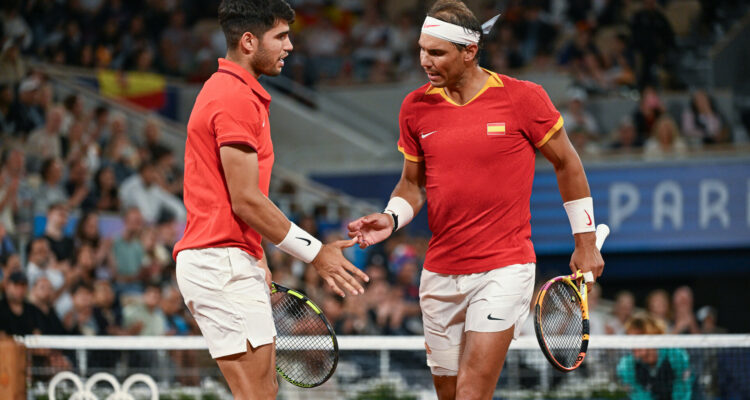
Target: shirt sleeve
<point>408,142</point>
<point>538,117</point>
<point>237,122</point>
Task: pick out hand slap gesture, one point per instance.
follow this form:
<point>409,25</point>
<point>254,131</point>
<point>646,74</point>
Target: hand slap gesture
<point>371,229</point>
<point>336,270</point>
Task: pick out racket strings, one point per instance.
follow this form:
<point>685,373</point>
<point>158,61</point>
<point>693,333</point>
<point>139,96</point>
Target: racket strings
<point>562,323</point>
<point>304,347</point>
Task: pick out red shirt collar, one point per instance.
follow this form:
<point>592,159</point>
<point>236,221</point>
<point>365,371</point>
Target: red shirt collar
<point>246,77</point>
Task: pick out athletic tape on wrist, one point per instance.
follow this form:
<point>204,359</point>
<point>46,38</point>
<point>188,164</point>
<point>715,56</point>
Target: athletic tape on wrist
<point>401,211</point>
<point>581,215</point>
<point>300,244</point>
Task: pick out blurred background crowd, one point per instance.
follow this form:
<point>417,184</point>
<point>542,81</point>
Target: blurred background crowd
<point>66,166</point>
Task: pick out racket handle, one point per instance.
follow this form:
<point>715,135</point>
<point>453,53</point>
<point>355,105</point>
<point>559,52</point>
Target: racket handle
<point>602,231</point>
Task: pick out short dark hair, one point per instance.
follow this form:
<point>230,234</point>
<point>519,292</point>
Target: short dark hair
<point>457,13</point>
<point>255,16</point>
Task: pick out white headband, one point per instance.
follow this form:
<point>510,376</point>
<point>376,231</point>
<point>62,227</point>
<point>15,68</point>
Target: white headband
<point>455,33</point>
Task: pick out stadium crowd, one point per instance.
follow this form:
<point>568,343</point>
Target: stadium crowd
<point>604,45</point>
<point>64,166</point>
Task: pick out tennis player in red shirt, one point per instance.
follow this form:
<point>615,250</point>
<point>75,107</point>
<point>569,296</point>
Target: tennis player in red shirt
<point>469,138</point>
<point>221,269</point>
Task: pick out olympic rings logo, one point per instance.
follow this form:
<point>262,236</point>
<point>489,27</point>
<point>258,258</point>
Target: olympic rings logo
<point>83,392</point>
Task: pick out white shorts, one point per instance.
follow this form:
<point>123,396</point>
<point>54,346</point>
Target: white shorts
<point>226,292</point>
<point>490,301</point>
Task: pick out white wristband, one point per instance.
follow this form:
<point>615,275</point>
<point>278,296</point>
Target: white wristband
<point>300,244</point>
<point>581,215</point>
<point>400,210</point>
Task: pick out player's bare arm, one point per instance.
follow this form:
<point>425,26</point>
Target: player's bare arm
<point>572,182</point>
<point>375,228</point>
<point>240,164</point>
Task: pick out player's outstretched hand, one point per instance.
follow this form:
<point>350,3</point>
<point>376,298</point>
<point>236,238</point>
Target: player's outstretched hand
<point>371,229</point>
<point>337,271</point>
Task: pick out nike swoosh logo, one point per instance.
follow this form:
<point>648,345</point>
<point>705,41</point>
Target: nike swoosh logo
<point>424,135</point>
<point>587,214</point>
<point>304,240</point>
<point>489,316</point>
<point>430,26</point>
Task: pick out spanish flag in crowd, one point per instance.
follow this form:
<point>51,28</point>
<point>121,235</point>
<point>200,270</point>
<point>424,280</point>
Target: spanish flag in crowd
<point>145,89</point>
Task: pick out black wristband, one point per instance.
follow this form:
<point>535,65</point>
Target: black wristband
<point>395,220</point>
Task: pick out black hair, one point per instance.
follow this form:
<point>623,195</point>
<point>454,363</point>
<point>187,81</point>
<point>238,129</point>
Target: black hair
<point>457,13</point>
<point>255,16</point>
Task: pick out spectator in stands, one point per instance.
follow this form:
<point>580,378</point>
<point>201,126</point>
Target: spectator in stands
<point>74,111</point>
<point>45,143</point>
<point>42,296</point>
<point>584,59</point>
<point>77,185</point>
<point>17,315</point>
<point>173,307</point>
<point>619,62</point>
<point>120,151</point>
<point>665,140</point>
<point>157,259</point>
<point>649,110</point>
<point>576,116</point>
<point>7,125</point>
<point>12,187</point>
<point>152,146</point>
<point>598,318</point>
<point>621,313</point>
<point>536,35</point>
<point>87,234</point>
<point>6,246</point>
<point>702,123</point>
<point>505,52</point>
<point>100,131</point>
<point>104,195</point>
<point>654,373</point>
<point>370,36</point>
<point>107,310</point>
<point>684,317</point>
<point>653,39</point>
<point>168,173</point>
<point>51,190</point>
<point>54,231</point>
<point>41,262</point>
<point>707,316</point>
<point>128,252</point>
<point>25,116</point>
<point>145,317</point>
<point>13,67</point>
<point>79,320</point>
<point>142,191</point>
<point>657,305</point>
<point>325,45</point>
<point>84,266</point>
<point>625,138</point>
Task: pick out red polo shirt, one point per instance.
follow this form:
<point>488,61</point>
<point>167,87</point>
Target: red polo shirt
<point>479,165</point>
<point>232,108</point>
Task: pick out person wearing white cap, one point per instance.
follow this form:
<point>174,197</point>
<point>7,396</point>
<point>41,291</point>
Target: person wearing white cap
<point>469,139</point>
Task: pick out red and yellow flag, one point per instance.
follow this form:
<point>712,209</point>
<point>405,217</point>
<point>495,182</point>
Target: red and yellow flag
<point>495,128</point>
<point>146,89</point>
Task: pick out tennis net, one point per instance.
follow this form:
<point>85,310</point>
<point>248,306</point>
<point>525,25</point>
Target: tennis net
<point>377,367</point>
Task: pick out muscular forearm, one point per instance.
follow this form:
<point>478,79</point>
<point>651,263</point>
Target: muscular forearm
<point>260,214</point>
<point>571,180</point>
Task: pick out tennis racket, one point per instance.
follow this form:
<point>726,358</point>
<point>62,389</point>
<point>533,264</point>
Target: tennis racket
<point>307,351</point>
<point>561,316</point>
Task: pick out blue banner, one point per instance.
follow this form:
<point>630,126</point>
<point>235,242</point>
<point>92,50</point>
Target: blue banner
<point>649,206</point>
